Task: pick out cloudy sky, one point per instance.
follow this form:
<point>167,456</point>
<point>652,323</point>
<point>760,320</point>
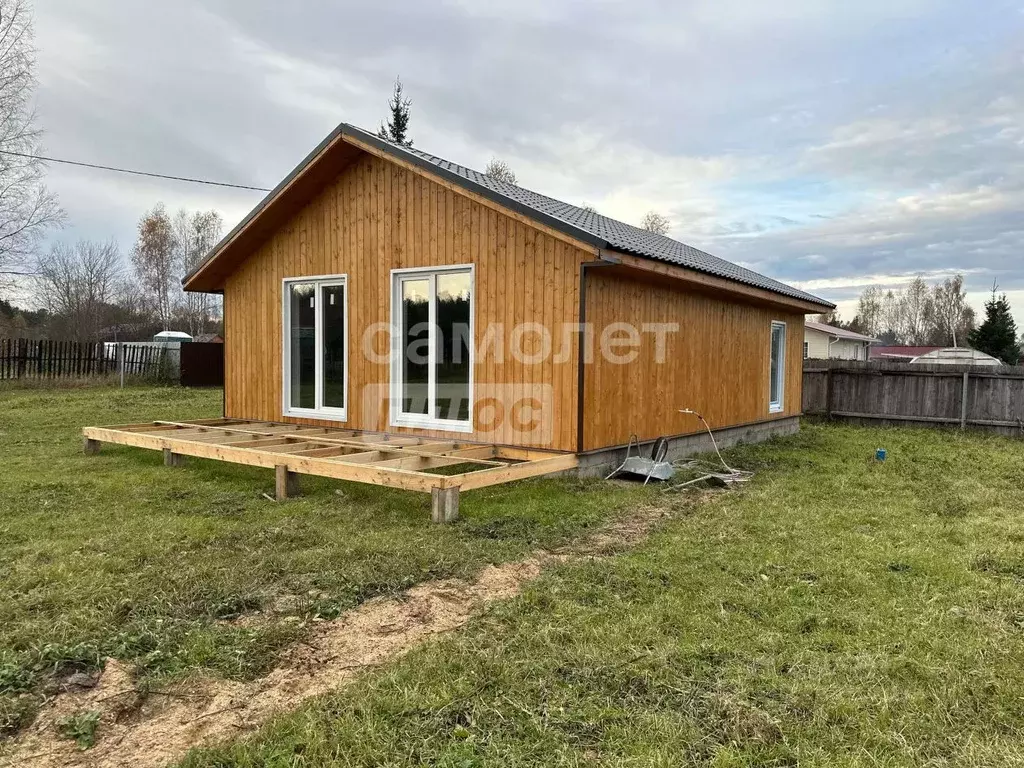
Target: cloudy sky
<point>829,144</point>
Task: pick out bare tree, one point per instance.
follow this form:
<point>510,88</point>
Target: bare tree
<point>954,316</point>
<point>155,262</point>
<point>26,207</point>
<point>918,314</point>
<point>77,285</point>
<point>195,234</point>
<point>656,223</point>
<point>134,316</point>
<point>869,311</point>
<point>893,311</point>
<point>499,170</point>
<point>588,207</point>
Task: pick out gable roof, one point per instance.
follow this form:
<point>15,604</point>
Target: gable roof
<point>587,226</point>
<point>834,331</point>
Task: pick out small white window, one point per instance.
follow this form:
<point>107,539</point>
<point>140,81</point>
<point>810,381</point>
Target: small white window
<point>432,348</point>
<point>777,368</point>
<point>807,350</point>
<point>315,349</point>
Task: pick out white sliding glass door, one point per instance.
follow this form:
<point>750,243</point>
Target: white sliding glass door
<point>432,349</point>
<point>315,348</point>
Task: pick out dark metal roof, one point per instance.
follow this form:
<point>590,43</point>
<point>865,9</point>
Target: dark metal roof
<point>588,226</point>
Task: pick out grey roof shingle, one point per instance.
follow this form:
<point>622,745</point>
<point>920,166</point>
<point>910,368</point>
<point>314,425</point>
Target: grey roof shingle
<point>586,224</point>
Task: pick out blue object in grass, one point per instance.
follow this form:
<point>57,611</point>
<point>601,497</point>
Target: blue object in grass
<point>880,454</point>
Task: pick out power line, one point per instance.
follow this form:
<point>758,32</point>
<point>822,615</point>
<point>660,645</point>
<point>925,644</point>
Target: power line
<point>136,173</point>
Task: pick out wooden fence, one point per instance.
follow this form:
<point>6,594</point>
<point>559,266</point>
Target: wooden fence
<point>898,393</point>
<point>29,359</point>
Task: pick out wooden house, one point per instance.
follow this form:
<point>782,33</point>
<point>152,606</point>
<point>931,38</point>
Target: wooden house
<point>384,290</point>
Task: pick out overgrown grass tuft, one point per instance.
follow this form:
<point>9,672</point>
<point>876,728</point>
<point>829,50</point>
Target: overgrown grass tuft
<point>838,612</point>
<point>117,555</point>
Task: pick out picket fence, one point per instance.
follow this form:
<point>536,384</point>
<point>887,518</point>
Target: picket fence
<point>48,359</point>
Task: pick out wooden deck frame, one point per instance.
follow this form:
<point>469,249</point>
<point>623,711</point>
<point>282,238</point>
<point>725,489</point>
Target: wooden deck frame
<point>397,461</point>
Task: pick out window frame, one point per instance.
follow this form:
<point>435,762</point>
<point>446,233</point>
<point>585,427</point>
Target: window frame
<point>319,411</point>
<point>426,421</point>
<point>780,405</point>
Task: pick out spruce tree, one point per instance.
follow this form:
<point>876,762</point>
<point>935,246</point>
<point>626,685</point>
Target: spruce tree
<point>997,336</point>
<point>396,129</point>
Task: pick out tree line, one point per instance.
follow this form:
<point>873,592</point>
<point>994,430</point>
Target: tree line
<point>88,291</point>
<point>934,315</point>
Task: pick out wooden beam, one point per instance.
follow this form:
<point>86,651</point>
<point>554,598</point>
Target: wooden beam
<point>293,447</point>
<point>154,424</point>
<point>334,450</point>
<point>432,462</point>
<point>91,447</point>
<point>486,477</point>
<point>474,455</point>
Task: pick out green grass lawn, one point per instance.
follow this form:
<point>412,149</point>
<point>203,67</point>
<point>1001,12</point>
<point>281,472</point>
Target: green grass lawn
<point>117,555</point>
<point>837,612</point>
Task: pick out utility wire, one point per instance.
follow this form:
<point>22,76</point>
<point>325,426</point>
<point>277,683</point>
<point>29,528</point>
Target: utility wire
<point>136,173</point>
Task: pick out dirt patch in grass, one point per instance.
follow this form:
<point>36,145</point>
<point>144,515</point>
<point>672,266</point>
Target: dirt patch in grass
<point>139,728</point>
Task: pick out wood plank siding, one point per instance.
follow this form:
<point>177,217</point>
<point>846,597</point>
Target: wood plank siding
<point>376,216</point>
<point>716,363</point>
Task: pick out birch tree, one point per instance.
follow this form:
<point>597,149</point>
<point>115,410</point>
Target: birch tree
<point>954,316</point>
<point>155,262</point>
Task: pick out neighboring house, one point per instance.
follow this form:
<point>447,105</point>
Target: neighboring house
<point>381,288</point>
<point>824,342</point>
<point>209,338</point>
<point>900,353</point>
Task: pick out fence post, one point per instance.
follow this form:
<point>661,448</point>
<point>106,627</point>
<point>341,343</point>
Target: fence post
<point>120,360</point>
<point>963,401</point>
<point>828,390</point>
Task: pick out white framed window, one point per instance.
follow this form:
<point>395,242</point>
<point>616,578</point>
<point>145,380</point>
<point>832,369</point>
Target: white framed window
<point>432,348</point>
<point>777,368</point>
<point>315,347</point>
